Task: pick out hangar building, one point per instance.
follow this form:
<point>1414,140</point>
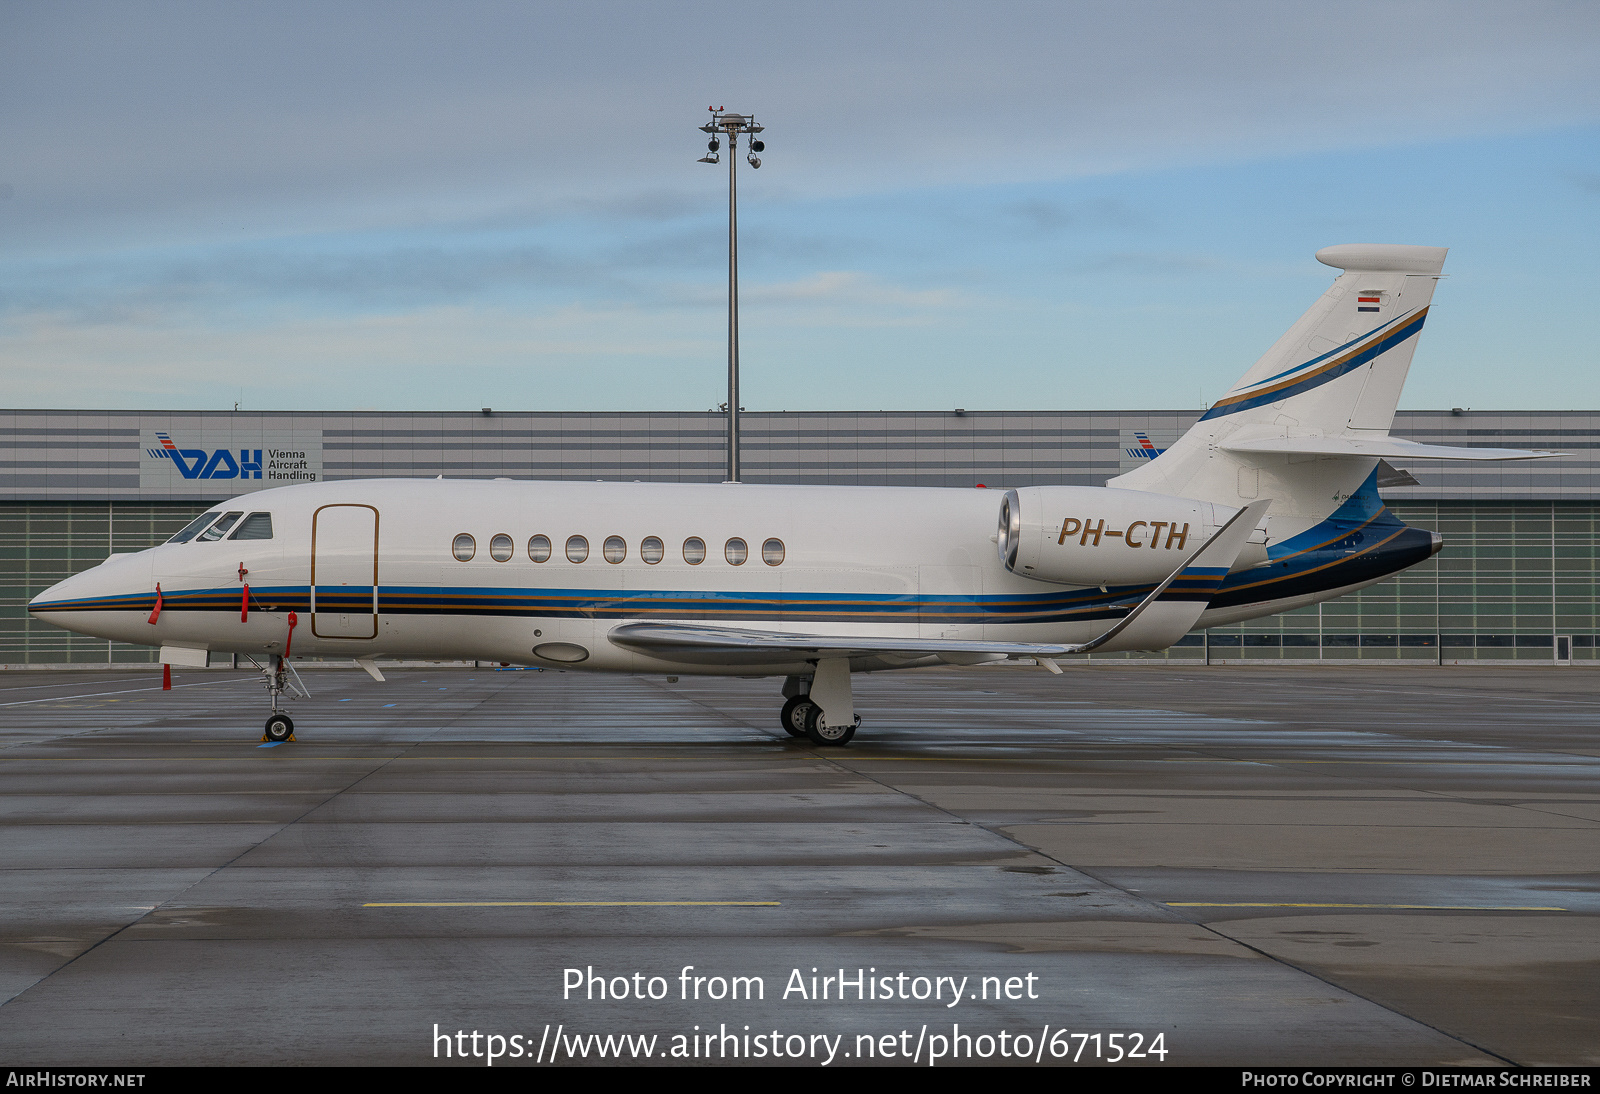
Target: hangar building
<point>1516,580</point>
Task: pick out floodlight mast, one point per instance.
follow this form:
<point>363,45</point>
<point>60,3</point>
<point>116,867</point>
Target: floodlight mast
<point>731,125</point>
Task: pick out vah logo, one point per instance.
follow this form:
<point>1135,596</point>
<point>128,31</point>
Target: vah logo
<point>197,463</point>
<point>282,465</point>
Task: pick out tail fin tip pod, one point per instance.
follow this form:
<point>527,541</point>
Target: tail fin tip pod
<point>1387,257</point>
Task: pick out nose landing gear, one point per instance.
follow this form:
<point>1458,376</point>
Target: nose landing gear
<point>282,681</point>
<point>279,728</point>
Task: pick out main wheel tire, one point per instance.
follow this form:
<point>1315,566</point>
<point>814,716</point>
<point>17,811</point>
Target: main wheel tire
<point>279,728</point>
<point>819,732</point>
<point>793,718</point>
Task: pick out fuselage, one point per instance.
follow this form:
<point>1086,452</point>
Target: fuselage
<point>537,573</point>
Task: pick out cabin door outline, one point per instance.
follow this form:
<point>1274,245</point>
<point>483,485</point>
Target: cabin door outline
<point>344,561</point>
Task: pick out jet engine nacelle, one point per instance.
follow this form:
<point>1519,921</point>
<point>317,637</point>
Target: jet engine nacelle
<point>1088,535</point>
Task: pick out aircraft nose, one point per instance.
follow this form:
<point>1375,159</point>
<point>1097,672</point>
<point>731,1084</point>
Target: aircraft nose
<point>117,576</point>
<point>56,595</point>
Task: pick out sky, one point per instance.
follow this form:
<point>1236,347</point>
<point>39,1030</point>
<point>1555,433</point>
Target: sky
<point>418,206</point>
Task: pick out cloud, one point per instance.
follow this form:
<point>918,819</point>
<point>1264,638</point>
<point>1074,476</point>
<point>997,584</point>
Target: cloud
<point>202,120</point>
<point>841,298</point>
<point>850,288</point>
<point>438,356</point>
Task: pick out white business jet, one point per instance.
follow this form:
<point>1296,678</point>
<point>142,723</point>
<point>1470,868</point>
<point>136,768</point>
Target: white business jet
<point>1267,504</point>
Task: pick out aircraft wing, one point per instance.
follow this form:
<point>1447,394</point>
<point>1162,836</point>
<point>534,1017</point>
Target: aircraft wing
<point>1174,613</point>
<point>695,643</point>
<point>1393,449</point>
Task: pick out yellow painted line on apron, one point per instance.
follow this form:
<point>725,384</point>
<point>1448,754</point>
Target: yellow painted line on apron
<point>581,904</point>
<point>1412,907</point>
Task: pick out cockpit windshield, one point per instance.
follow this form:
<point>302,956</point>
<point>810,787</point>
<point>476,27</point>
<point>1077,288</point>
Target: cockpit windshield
<point>219,529</point>
<point>255,526</point>
<point>193,527</point>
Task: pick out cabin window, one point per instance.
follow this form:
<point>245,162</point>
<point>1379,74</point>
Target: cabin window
<point>464,547</point>
<point>255,526</point>
<point>694,550</point>
<point>501,548</point>
<point>772,552</point>
<point>188,531</point>
<point>652,550</point>
<point>539,548</point>
<point>220,529</point>
<point>736,551</point>
<point>615,549</point>
<point>577,549</point>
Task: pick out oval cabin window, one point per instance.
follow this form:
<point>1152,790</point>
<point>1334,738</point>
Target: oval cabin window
<point>464,547</point>
<point>772,552</point>
<point>577,549</point>
<point>736,551</point>
<point>539,548</point>
<point>615,549</point>
<point>694,550</point>
<point>652,550</point>
<point>501,548</point>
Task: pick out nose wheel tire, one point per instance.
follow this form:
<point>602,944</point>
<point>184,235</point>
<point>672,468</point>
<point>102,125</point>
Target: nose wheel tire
<point>819,732</point>
<point>793,718</point>
<point>279,729</point>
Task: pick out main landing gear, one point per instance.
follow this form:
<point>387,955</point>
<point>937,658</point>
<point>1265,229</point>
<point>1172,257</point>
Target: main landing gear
<point>803,718</point>
<point>795,712</point>
<point>820,732</point>
<point>806,713</point>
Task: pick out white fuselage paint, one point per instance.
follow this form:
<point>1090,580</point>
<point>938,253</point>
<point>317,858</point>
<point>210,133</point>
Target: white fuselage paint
<point>842,546</point>
<point>861,541</point>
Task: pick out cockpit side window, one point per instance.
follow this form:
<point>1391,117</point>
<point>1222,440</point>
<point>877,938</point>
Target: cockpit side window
<point>255,526</point>
<point>219,529</point>
<point>189,530</point>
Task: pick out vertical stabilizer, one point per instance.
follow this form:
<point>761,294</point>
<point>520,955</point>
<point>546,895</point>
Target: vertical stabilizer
<point>1336,373</point>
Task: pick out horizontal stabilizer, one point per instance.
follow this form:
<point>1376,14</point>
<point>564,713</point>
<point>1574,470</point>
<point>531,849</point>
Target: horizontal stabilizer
<point>1392,449</point>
